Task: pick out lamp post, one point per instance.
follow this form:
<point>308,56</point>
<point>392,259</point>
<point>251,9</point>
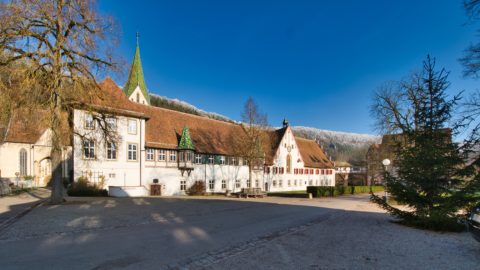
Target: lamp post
<point>385,163</point>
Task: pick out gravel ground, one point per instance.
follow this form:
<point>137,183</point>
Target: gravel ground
<point>360,240</point>
<point>219,233</point>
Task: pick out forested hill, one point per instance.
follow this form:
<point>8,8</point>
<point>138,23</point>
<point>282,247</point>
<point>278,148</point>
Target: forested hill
<point>182,106</point>
<point>341,146</point>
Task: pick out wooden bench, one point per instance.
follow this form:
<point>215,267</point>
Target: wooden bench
<point>251,192</point>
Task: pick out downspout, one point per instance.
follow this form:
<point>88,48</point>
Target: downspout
<point>31,158</point>
<point>141,146</point>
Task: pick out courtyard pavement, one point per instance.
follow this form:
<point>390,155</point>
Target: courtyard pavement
<point>13,206</point>
<point>225,233</point>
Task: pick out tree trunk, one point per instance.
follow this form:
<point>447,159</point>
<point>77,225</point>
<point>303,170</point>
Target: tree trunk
<point>250,175</point>
<point>56,154</point>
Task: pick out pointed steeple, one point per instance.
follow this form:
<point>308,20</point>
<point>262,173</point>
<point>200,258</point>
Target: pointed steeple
<point>135,77</point>
<point>185,141</point>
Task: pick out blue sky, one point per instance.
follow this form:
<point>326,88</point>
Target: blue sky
<point>315,62</point>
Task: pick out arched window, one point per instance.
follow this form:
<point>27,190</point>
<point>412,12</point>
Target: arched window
<point>289,163</point>
<point>23,162</point>
<point>138,98</point>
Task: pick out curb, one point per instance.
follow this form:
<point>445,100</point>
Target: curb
<point>13,219</point>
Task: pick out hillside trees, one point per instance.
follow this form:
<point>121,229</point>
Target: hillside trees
<point>63,45</point>
<point>429,175</point>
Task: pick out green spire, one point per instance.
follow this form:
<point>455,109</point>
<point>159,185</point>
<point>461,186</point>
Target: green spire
<point>135,77</point>
<point>185,141</point>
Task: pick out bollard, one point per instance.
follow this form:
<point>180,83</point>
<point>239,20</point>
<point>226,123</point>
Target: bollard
<point>310,196</point>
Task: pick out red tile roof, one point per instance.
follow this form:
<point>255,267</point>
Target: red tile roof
<point>164,128</point>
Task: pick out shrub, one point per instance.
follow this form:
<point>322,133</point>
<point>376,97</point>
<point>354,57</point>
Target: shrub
<point>82,188</point>
<point>198,188</point>
<point>321,191</point>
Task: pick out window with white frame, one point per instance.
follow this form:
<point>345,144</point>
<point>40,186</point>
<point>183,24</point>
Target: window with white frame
<point>224,184</point>
<point>189,156</point>
<point>150,154</point>
<point>89,121</point>
<point>211,159</point>
<point>111,123</point>
<point>183,185</point>
<point>111,150</point>
<point>222,160</point>
<point>280,184</point>
<point>132,126</point>
<point>211,184</point>
<point>237,183</point>
<point>248,183</point>
<point>274,183</point>
<point>88,149</point>
<point>132,152</point>
<point>198,158</point>
<point>173,155</point>
<point>161,155</point>
<point>289,183</point>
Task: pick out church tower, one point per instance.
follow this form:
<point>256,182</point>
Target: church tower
<point>135,88</point>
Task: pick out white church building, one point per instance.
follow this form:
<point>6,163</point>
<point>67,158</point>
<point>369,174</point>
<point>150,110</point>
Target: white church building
<point>157,145</point>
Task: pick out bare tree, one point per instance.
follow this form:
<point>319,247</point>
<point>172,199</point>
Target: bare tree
<point>64,44</point>
<point>471,58</point>
<point>250,145</point>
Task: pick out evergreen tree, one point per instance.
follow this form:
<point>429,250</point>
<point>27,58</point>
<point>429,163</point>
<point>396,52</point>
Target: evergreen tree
<point>430,175</point>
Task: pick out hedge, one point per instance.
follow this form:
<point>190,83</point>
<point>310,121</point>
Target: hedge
<point>82,188</point>
<point>318,191</point>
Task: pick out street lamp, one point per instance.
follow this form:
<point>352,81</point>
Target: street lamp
<point>385,163</point>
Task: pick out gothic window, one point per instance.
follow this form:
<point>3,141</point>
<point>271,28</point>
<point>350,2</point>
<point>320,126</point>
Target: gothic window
<point>289,163</point>
<point>23,162</point>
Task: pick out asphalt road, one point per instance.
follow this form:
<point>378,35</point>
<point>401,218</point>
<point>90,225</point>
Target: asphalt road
<point>270,233</point>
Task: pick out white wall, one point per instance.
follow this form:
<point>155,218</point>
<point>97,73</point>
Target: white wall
<point>133,96</point>
<point>279,182</point>
<point>118,172</point>
<point>38,159</point>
